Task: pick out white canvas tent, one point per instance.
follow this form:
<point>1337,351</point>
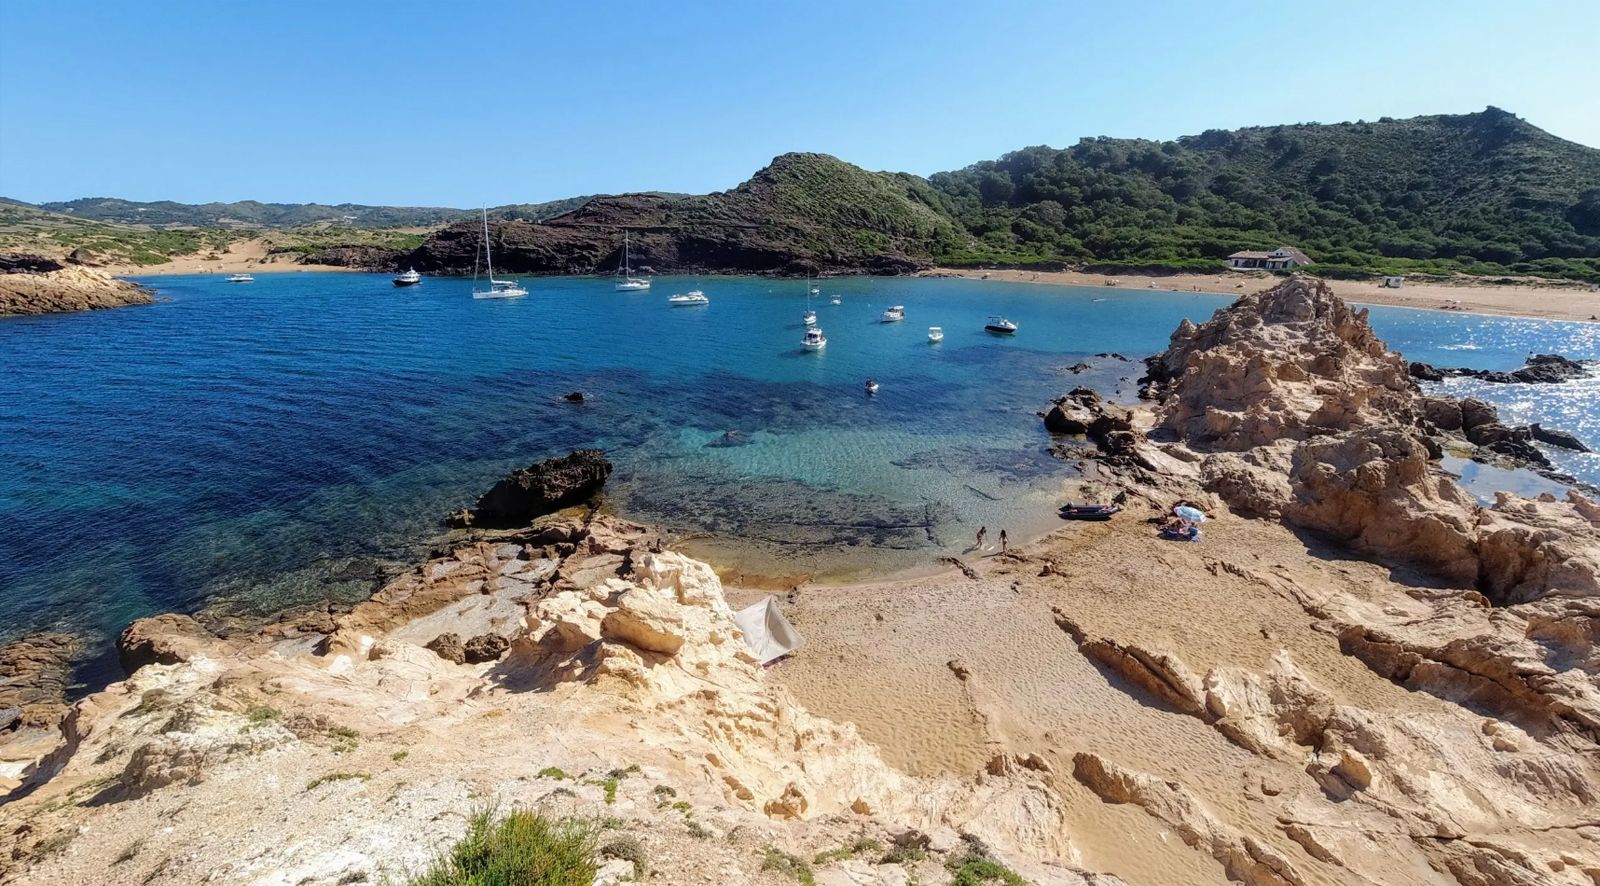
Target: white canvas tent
<point>766,632</point>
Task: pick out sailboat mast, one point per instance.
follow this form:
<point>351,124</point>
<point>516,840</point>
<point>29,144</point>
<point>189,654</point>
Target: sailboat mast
<point>488,254</point>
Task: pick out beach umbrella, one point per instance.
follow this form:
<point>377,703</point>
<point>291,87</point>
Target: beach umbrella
<point>1193,515</point>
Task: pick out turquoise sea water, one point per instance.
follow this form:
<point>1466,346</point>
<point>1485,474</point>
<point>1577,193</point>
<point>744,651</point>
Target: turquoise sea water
<point>271,443</point>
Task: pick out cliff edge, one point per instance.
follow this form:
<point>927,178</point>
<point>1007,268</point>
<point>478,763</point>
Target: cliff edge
<point>36,285</point>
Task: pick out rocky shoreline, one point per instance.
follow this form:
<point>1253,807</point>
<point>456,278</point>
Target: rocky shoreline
<point>1362,676</point>
<point>31,284</point>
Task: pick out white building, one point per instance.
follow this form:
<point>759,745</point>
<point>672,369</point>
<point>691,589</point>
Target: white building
<point>1280,259</point>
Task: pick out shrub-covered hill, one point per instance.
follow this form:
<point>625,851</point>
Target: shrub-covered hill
<point>804,213</point>
<point>1482,193</point>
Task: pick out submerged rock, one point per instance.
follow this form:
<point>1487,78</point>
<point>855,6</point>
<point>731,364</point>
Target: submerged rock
<point>539,489</point>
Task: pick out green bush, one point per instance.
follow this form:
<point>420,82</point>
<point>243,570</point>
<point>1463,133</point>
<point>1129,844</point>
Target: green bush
<point>519,849</point>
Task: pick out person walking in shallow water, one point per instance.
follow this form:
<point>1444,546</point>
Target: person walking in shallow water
<point>1002,541</point>
<point>983,532</point>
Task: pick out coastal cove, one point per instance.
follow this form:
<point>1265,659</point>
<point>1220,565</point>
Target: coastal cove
<point>276,443</point>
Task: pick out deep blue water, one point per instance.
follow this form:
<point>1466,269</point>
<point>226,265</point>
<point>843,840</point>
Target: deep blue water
<point>271,443</point>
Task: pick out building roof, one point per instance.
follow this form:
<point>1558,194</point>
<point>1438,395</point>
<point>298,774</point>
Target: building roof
<point>1284,252</point>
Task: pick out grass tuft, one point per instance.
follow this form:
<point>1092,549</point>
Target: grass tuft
<point>554,772</point>
<point>627,848</point>
<point>336,776</point>
<point>793,866</point>
<point>975,870</point>
<point>862,846</point>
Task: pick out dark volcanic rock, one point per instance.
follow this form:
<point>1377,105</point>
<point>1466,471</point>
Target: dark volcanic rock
<point>362,256</point>
<point>1540,369</point>
<point>486,647</point>
<point>1424,372</point>
<point>574,397</point>
<point>1557,438</point>
<point>538,489</point>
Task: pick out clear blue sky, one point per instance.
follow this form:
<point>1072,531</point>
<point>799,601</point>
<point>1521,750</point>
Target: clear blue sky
<point>462,103</point>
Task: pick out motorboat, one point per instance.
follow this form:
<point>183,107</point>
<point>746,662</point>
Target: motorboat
<point>1000,326</point>
<point>1088,512</point>
<point>814,339</point>
<point>836,300</point>
<point>872,386</point>
<point>809,318</point>
<point>935,335</point>
<point>628,282</point>
<point>685,299</point>
<point>816,291</point>
<point>409,278</point>
<point>497,288</point>
<point>241,278</point>
<point>893,314</point>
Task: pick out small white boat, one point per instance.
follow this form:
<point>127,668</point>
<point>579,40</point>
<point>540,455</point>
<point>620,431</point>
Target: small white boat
<point>815,291</point>
<point>629,283</point>
<point>241,278</point>
<point>836,300</point>
<point>935,335</point>
<point>497,288</point>
<point>894,314</point>
<point>409,278</point>
<point>872,386</point>
<point>809,318</point>
<point>814,339</point>
<point>1000,326</point>
<point>684,299</point>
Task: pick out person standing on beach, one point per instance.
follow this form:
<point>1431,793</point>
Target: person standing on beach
<point>1002,541</point>
<point>983,532</point>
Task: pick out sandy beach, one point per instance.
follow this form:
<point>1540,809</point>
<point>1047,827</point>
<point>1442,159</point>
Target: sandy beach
<point>1545,300</point>
<point>243,257</point>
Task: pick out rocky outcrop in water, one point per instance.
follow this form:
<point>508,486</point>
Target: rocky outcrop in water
<point>31,284</point>
<point>1540,369</point>
<point>1291,383</point>
<point>161,639</point>
<point>538,489</point>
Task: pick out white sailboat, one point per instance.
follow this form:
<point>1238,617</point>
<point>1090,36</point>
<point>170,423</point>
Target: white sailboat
<point>497,288</point>
<point>809,318</point>
<point>629,283</point>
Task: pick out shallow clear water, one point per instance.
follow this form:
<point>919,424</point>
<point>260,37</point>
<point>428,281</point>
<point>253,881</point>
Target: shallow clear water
<point>276,442</point>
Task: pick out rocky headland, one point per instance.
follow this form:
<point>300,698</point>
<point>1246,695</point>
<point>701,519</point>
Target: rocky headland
<point>31,284</point>
<point>1361,676</point>
<point>802,214</point>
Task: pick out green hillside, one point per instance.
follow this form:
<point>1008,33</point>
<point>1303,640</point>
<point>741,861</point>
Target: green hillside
<point>1481,193</point>
<point>251,214</point>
